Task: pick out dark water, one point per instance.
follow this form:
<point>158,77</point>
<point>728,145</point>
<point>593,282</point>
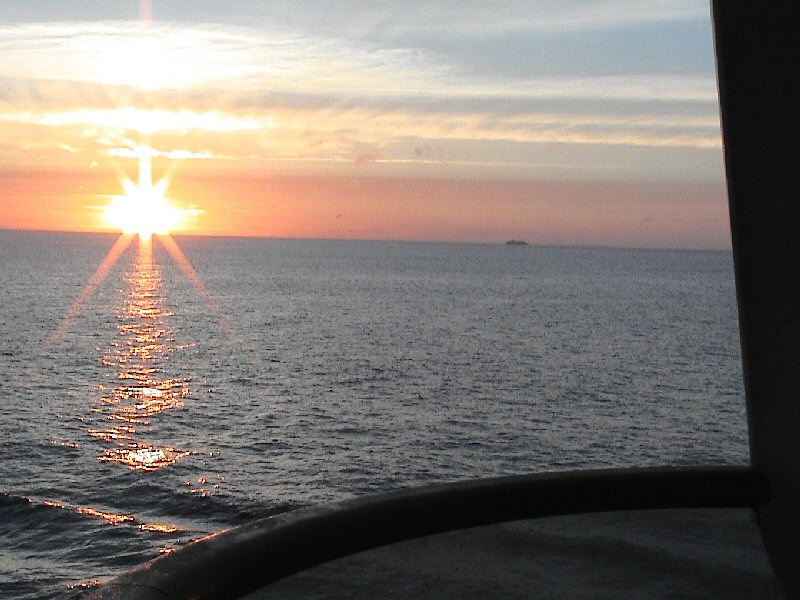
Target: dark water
<point>290,372</point>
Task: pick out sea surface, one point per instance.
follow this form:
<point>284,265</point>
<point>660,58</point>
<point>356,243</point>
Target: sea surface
<point>193,385</point>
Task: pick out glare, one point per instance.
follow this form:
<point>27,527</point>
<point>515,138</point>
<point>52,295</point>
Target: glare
<point>145,60</point>
<point>143,211</point>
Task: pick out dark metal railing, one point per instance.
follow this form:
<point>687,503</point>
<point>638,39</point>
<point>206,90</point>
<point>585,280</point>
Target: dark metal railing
<point>232,563</point>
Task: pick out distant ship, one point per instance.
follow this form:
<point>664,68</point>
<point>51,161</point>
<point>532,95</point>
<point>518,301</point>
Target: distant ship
<point>516,243</point>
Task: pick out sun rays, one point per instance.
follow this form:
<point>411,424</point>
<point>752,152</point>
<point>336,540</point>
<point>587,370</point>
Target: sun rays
<point>142,211</point>
<point>143,208</point>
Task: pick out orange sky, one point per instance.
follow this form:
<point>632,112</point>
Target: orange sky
<point>651,214</point>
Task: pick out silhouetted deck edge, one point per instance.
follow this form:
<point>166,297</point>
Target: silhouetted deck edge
<point>756,49</point>
<point>233,562</point>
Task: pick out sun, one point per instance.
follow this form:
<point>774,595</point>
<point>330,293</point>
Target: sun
<point>143,208</point>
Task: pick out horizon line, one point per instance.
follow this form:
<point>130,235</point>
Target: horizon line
<point>727,248</point>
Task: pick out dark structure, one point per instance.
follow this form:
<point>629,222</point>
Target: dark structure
<point>758,78</point>
<point>759,84</point>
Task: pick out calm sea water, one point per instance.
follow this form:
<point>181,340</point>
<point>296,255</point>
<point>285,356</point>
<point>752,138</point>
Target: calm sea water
<point>174,401</point>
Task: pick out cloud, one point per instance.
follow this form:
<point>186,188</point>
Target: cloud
<point>330,134</point>
<point>453,17</point>
<point>316,99</point>
<point>139,152</point>
<point>204,57</point>
<point>139,119</point>
<point>367,127</point>
<point>382,18</point>
<point>174,56</point>
<point>293,92</point>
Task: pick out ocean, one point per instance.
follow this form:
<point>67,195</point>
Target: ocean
<point>197,386</point>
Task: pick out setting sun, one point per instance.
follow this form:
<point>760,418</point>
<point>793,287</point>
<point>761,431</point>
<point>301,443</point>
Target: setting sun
<point>143,208</point>
<point>143,211</point>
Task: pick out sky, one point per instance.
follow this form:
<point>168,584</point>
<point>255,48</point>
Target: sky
<point>583,123</point>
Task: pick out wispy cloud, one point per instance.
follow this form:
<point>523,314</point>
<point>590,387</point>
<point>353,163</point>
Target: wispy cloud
<point>195,57</point>
<point>452,17</point>
<point>172,56</point>
<point>327,129</point>
<point>217,90</point>
<point>382,18</point>
<point>139,152</point>
<point>141,119</point>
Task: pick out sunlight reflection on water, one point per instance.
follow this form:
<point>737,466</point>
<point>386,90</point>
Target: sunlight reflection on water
<point>127,410</point>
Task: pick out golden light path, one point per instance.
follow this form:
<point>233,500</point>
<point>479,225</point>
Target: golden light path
<point>125,411</point>
<point>143,391</point>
